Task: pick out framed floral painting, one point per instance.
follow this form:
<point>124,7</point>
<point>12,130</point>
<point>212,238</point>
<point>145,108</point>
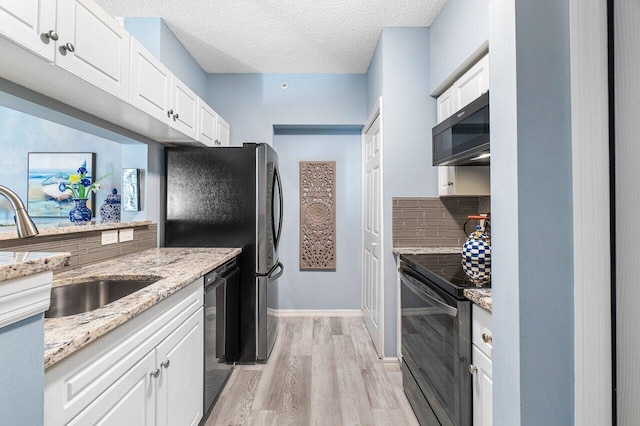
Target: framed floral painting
<point>48,173</point>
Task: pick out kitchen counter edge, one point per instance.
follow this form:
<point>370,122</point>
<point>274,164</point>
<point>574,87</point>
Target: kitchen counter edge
<point>17,264</point>
<point>177,268</point>
<point>479,296</point>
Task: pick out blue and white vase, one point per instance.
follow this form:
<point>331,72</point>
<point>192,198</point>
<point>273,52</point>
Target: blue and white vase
<point>476,257</point>
<point>80,214</point>
<point>110,210</point>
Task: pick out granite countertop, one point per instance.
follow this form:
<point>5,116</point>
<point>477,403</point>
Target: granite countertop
<point>44,230</point>
<point>176,268</point>
<point>479,296</point>
<point>20,264</point>
<point>426,250</point>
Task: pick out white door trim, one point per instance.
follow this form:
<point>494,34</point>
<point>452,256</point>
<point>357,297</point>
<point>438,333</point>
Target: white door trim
<point>591,233</point>
<point>375,113</point>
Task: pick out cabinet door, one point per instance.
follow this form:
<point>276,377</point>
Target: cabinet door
<point>100,46</point>
<point>206,124</point>
<point>25,22</point>
<point>184,104</point>
<point>482,388</point>
<point>446,177</point>
<point>445,105</point>
<point>472,84</point>
<point>223,131</point>
<point>180,359</point>
<point>129,401</point>
<point>150,88</point>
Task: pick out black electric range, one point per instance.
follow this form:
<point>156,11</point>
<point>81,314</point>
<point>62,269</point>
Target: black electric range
<point>443,269</point>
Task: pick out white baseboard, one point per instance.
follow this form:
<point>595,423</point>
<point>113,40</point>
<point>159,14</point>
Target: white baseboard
<point>316,312</point>
<point>391,362</point>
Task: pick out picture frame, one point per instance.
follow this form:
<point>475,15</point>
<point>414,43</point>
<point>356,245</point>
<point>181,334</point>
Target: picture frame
<point>45,172</point>
<point>131,190</point>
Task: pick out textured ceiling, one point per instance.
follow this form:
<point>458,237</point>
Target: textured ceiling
<point>281,36</point>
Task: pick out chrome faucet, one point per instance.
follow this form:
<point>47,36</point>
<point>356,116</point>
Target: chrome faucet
<point>26,227</point>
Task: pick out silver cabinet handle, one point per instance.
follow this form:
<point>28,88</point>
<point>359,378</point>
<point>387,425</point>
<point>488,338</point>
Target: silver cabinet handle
<point>176,116</point>
<point>51,35</point>
<point>487,338</point>
<point>473,369</point>
<point>169,113</point>
<point>449,183</point>
<point>155,373</point>
<point>217,142</point>
<point>68,47</point>
<point>165,364</point>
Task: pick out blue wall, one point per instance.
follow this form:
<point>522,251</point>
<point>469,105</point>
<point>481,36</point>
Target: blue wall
<point>22,372</point>
<point>322,289</point>
<point>22,133</point>
<point>253,103</point>
<point>531,200</point>
<point>399,72</point>
<point>156,36</point>
<point>459,30</point>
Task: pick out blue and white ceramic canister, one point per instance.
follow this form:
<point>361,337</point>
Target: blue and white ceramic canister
<point>476,257</point>
<point>110,210</point>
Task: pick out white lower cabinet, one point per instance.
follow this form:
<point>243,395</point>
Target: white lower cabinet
<point>129,401</point>
<point>179,359</point>
<point>481,367</point>
<point>148,371</point>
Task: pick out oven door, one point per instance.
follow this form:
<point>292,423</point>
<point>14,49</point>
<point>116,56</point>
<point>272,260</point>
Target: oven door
<point>436,347</point>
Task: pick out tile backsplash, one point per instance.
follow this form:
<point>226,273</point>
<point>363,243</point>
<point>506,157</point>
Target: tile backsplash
<point>433,221</point>
<point>85,247</point>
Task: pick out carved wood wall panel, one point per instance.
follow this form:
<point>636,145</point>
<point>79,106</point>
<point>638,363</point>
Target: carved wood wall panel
<point>318,215</point>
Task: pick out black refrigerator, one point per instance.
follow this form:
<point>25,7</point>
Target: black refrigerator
<point>232,197</point>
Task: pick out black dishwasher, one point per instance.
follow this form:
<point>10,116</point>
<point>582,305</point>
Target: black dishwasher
<point>221,329</point>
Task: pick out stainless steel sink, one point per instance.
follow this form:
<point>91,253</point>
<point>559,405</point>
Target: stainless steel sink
<point>76,298</point>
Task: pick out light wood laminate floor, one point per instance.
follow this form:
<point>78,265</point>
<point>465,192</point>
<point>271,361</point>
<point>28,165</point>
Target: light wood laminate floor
<point>323,371</point>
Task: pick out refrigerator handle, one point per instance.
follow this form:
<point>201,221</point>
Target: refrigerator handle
<point>276,179</point>
<point>273,277</point>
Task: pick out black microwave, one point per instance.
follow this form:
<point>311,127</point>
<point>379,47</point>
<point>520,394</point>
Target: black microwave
<point>463,138</point>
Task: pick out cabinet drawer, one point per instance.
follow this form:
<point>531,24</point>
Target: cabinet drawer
<point>481,334</point>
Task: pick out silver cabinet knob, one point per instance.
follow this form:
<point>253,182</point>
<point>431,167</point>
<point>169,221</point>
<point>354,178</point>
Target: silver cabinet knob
<point>473,369</point>
<point>169,113</point>
<point>449,183</point>
<point>165,364</point>
<point>68,47</point>
<point>217,142</point>
<point>176,116</point>
<point>155,373</point>
<point>487,338</point>
<point>51,35</point>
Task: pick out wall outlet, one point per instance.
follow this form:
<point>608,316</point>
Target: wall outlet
<point>109,237</point>
<point>126,235</point>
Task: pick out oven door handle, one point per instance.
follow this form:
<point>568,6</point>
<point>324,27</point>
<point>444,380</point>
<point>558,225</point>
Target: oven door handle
<point>443,307</point>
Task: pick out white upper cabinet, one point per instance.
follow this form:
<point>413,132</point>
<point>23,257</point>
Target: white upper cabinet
<point>445,105</point>
<point>206,124</point>
<point>30,24</point>
<point>150,88</point>
<point>93,46</point>
<point>184,109</point>
<point>223,132</point>
<point>472,84</point>
<point>101,69</point>
<point>213,130</point>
